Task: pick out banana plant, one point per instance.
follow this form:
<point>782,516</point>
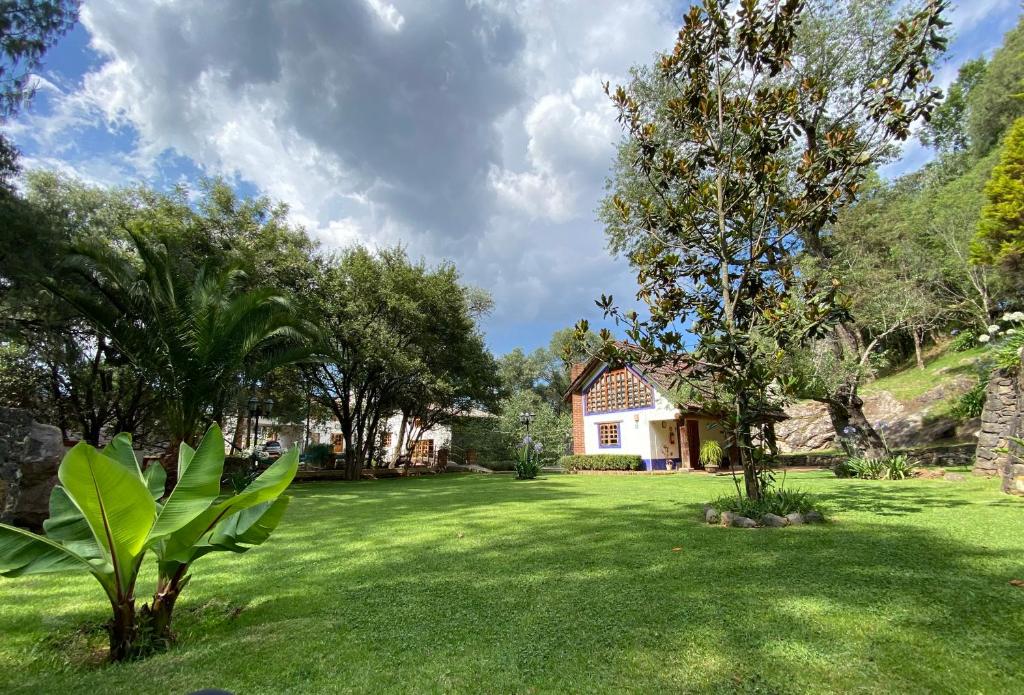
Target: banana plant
<point>106,514</point>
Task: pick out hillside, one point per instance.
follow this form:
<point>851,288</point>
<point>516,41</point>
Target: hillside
<point>910,406</point>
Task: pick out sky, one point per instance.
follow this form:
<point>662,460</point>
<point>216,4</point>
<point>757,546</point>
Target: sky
<point>470,130</point>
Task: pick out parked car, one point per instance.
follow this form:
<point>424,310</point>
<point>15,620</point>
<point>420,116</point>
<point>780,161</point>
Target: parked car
<point>272,449</point>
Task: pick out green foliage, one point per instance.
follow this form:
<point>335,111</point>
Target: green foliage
<point>601,462</point>
<point>946,131</point>
<point>867,468</point>
<point>106,514</point>
<point>711,453</point>
<point>964,341</point>
<point>778,501</point>
<point>528,462</point>
<point>970,404</point>
<point>550,428</point>
<point>1000,236</point>
<point>728,165</point>
<point>317,454</point>
<point>996,101</point>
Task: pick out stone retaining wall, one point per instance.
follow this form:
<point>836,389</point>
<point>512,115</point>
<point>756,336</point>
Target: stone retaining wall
<point>951,455</point>
<point>1000,420</point>
<point>30,454</point>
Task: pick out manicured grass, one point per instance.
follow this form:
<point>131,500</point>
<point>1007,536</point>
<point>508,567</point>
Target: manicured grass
<point>572,584</point>
<point>911,382</point>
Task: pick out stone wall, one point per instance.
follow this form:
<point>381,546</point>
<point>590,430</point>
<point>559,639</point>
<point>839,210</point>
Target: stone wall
<point>951,455</point>
<point>29,456</point>
<point>1001,419</point>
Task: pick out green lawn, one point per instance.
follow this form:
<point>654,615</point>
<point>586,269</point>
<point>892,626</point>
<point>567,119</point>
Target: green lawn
<point>571,584</point>
<point>910,382</point>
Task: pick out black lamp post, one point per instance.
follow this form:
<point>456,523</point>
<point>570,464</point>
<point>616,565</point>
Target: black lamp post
<point>525,418</point>
<point>257,408</point>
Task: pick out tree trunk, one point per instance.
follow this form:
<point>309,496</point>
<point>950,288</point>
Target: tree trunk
<point>353,467</point>
<point>161,613</point>
<point>745,443</point>
<point>917,348</point>
<point>122,630</point>
<point>847,411</point>
<point>169,460</point>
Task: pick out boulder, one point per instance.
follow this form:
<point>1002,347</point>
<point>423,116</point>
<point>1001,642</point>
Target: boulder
<point>814,517</point>
<point>30,454</point>
<point>795,518</point>
<point>1013,478</point>
<point>711,515</point>
<point>953,477</point>
<point>736,521</point>
<point>774,520</point>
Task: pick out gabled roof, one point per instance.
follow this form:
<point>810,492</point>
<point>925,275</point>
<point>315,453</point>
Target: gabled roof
<point>660,377</point>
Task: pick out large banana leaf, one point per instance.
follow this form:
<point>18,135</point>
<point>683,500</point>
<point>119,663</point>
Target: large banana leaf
<point>120,449</point>
<point>116,504</point>
<point>185,454</point>
<point>196,489</point>
<point>156,479</point>
<point>23,552</point>
<point>179,546</point>
<point>67,525</point>
<point>249,527</point>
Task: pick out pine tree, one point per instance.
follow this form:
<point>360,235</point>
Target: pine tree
<point>1000,236</point>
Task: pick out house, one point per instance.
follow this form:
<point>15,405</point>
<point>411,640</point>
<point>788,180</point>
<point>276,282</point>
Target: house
<point>425,449</point>
<point>628,409</point>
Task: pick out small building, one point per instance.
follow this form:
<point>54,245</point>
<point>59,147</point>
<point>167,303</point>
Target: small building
<point>630,410</point>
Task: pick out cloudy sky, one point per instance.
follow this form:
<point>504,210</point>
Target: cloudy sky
<point>474,130</point>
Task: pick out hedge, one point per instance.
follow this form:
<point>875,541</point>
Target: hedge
<point>601,462</point>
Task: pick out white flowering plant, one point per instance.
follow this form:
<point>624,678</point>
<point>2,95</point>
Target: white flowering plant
<point>1006,339</point>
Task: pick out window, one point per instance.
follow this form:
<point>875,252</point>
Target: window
<point>608,435</point>
<point>423,450</point>
<point>385,440</point>
<point>337,443</point>
<point>618,389</point>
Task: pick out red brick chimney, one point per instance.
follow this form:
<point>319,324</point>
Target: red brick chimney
<point>577,410</point>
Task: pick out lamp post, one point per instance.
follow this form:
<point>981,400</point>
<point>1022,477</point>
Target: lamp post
<point>525,418</point>
<point>257,408</point>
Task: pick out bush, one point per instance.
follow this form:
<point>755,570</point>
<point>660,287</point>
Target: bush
<point>601,462</point>
<point>896,467</point>
<point>317,455</point>
<point>499,465</point>
<point>971,403</point>
<point>779,501</point>
<point>966,340</point>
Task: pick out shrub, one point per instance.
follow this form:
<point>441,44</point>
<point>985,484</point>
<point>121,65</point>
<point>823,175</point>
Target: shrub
<point>601,462</point>
<point>971,403</point>
<point>964,341</point>
<point>317,454</point>
<point>779,501</point>
<point>528,463</point>
<point>711,453</point>
<point>896,467</point>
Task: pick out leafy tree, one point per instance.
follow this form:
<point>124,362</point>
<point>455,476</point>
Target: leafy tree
<point>28,28</point>
<point>740,146</point>
<point>998,98</point>
<point>947,129</point>
<point>546,370</point>
<point>1000,236</point>
<point>397,337</point>
<point>551,428</point>
<point>197,334</point>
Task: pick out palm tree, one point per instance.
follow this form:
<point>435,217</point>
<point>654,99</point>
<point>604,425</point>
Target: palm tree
<point>199,336</point>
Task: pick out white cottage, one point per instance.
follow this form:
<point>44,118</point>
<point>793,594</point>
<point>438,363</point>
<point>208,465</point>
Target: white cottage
<point>629,410</point>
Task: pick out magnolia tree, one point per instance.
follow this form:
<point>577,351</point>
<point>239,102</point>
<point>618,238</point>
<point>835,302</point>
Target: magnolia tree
<point>736,154</point>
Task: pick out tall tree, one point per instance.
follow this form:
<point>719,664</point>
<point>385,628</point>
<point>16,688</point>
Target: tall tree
<point>998,98</point>
<point>28,28</point>
<point>947,129</point>
<point>738,147</point>
<point>1000,237</point>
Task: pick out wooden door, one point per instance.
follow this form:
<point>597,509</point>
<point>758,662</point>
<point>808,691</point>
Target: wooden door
<point>693,443</point>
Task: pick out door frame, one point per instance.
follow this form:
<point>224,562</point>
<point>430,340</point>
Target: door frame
<point>689,443</point>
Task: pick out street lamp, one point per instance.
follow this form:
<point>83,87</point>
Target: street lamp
<point>525,418</point>
<point>257,408</point>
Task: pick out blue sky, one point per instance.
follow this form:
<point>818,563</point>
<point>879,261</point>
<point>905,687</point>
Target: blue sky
<point>475,132</point>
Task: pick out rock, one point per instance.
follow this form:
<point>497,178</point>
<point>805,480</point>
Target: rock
<point>711,515</point>
<point>814,517</point>
<point>774,520</point>
<point>1013,478</point>
<point>737,521</point>
<point>953,477</point>
<point>30,454</point>
<point>795,518</point>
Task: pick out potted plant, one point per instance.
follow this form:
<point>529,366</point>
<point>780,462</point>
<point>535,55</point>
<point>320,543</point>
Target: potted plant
<point>711,455</point>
